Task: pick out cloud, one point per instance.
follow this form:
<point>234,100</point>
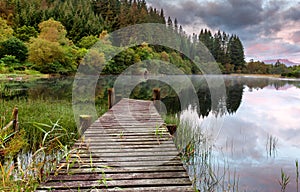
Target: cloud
<point>296,37</point>
<point>293,13</point>
<point>274,22</point>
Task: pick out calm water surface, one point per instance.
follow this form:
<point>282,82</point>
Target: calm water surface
<point>259,136</point>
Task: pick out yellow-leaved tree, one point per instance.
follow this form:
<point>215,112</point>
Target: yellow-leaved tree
<point>5,30</point>
<point>52,51</point>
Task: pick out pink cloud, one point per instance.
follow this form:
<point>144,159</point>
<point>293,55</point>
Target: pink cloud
<point>258,47</point>
<point>296,37</point>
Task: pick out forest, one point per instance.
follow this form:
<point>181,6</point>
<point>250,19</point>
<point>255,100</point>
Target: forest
<point>53,36</point>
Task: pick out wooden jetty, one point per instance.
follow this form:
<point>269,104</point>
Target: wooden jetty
<point>127,149</point>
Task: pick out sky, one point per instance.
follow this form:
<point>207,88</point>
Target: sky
<point>269,29</point>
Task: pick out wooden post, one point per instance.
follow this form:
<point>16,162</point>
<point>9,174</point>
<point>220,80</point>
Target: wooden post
<point>111,97</point>
<point>85,121</point>
<point>156,94</point>
<point>15,120</point>
<point>172,128</point>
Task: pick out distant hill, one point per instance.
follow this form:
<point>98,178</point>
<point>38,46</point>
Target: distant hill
<point>284,61</point>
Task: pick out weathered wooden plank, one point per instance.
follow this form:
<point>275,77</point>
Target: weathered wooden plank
<point>118,133</point>
<point>128,139</point>
<point>134,151</point>
<point>151,189</point>
<point>105,146</point>
<point>134,189</point>
<point>128,143</point>
<point>118,176</point>
<point>122,159</point>
<point>124,164</point>
<point>100,170</point>
<point>117,183</point>
<point>134,154</point>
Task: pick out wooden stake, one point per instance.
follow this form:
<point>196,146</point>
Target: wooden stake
<point>16,119</point>
<point>85,122</point>
<point>156,94</point>
<point>111,97</point>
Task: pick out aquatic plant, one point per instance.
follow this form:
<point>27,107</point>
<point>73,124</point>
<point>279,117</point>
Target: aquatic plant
<point>285,180</point>
<point>297,174</point>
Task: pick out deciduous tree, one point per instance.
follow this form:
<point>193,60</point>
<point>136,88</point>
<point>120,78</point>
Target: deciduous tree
<point>5,31</point>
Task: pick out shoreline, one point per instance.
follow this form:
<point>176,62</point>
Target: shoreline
<point>22,77</point>
<point>257,75</point>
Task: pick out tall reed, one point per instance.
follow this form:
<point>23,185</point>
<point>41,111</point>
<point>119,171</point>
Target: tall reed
<point>297,175</point>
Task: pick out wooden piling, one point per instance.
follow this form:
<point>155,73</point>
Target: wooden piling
<point>16,119</point>
<point>85,122</point>
<point>156,94</point>
<point>111,97</point>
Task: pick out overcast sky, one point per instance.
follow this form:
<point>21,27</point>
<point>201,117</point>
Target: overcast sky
<point>269,29</point>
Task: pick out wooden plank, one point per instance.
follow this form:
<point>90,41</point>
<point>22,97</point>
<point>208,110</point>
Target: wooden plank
<point>135,150</point>
<point>124,164</point>
<point>124,176</point>
<point>118,183</point>
<point>105,146</point>
<point>128,143</point>
<point>133,154</point>
<point>134,189</point>
<point>100,170</point>
<point>122,159</point>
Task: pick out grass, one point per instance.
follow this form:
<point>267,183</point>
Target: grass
<point>171,119</point>
<point>41,111</point>
<point>42,161</point>
<point>47,129</point>
<point>27,74</point>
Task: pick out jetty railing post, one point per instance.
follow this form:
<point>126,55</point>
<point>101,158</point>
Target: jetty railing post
<point>156,94</point>
<point>156,98</point>
<point>111,97</point>
<point>16,119</point>
<point>85,121</point>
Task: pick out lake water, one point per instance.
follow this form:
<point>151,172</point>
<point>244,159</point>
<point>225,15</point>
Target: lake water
<point>237,139</point>
<point>245,147</point>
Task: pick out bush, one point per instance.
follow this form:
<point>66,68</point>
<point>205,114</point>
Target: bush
<point>14,47</point>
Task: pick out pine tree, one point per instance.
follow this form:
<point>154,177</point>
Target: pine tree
<point>170,23</point>
<point>236,52</point>
<point>176,25</point>
<point>162,17</point>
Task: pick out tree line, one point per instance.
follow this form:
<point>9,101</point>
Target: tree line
<point>53,36</point>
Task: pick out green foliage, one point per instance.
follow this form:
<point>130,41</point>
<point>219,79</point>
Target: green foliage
<point>52,52</point>
<point>236,53</point>
<point>87,42</point>
<point>257,67</point>
<point>24,33</point>
<point>15,47</point>
<point>9,60</point>
<point>5,30</point>
<point>53,31</point>
<point>291,72</point>
<point>65,23</point>
<point>45,55</point>
<point>76,15</point>
<point>227,50</point>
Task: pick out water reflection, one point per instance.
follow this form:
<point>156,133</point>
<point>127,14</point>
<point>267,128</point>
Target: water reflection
<point>259,137</point>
